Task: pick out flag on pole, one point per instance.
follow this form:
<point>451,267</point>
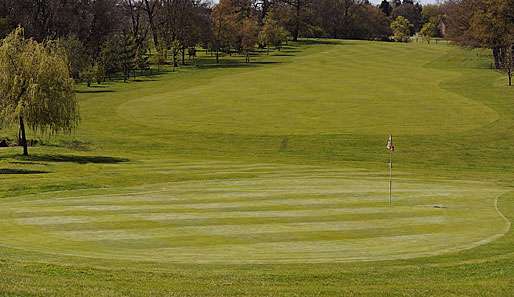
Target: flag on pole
<point>390,148</point>
<point>390,144</point>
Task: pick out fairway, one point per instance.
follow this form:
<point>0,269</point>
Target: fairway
<point>251,179</point>
<point>311,95</point>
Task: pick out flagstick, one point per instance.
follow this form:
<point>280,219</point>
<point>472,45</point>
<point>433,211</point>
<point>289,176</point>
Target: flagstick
<point>390,177</point>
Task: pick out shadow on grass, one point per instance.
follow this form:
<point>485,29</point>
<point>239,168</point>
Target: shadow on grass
<point>142,80</point>
<point>283,55</point>
<point>27,163</point>
<point>236,65</point>
<point>289,50</point>
<point>94,91</point>
<point>75,145</point>
<point>317,41</point>
<point>20,171</point>
<point>74,159</point>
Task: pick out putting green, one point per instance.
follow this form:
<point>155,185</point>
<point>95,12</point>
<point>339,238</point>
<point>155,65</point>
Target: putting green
<point>285,214</point>
<point>316,94</point>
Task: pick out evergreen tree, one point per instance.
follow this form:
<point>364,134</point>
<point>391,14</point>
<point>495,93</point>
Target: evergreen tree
<point>386,8</point>
<point>109,57</point>
<point>127,53</point>
<point>142,58</point>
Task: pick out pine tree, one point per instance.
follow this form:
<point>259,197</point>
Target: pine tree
<point>127,55</point>
<point>142,58</point>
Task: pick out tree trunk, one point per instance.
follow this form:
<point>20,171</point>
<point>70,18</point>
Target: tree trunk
<point>23,139</point>
<point>496,55</point>
<point>150,11</point>
<point>509,73</point>
<point>217,55</point>
<point>296,31</point>
<point>265,9</point>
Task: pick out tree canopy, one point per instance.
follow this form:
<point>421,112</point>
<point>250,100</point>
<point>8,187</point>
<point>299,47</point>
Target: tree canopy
<point>428,31</point>
<point>483,23</point>
<point>401,29</point>
<point>36,89</point>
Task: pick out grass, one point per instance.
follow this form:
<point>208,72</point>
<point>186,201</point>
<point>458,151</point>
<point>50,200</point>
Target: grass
<point>270,179</point>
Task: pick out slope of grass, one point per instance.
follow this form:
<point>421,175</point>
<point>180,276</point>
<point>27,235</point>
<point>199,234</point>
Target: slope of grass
<point>270,179</point>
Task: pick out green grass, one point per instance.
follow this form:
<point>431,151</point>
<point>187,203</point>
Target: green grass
<point>270,179</point>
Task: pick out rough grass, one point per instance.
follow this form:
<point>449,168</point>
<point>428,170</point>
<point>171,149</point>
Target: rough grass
<point>270,179</point>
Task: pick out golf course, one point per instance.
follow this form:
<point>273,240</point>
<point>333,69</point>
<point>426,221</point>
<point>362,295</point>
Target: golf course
<point>271,178</point>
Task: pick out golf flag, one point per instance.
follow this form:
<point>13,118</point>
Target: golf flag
<point>390,148</point>
<point>390,144</point>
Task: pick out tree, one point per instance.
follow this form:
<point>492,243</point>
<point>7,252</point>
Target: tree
<point>410,11</point>
<point>428,31</point>
<point>483,23</point>
<point>88,74</point>
<point>396,3</point>
<point>336,16</point>
<point>352,19</point>
<point>109,56</point>
<point>272,34</point>
<point>248,34</point>
<point>386,8</point>
<point>133,10</point>
<point>282,37</point>
<point>150,8</point>
<point>225,25</point>
<point>370,22</point>
<point>159,57</point>
<point>175,50</point>
<point>401,29</point>
<point>508,63</point>
<point>492,26</point>
<point>432,13</point>
<point>36,89</point>
<point>76,53</point>
<point>298,6</point>
<point>99,72</point>
<point>142,61</point>
<point>88,21</point>
<point>104,23</point>
<point>127,54</point>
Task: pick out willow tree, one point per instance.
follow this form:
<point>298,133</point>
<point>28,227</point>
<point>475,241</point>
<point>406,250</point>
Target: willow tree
<point>36,90</point>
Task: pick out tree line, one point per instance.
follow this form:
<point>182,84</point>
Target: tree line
<point>484,24</point>
<point>107,37</point>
